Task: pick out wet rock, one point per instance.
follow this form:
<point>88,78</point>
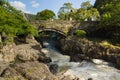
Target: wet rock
<point>79,57</point>
<point>69,75</point>
<point>34,71</point>
<point>44,59</point>
<point>53,68</point>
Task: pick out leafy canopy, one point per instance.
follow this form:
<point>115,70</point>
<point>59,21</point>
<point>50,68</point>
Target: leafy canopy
<point>87,12</point>
<point>110,19</point>
<point>65,11</point>
<point>45,15</point>
<point>12,22</point>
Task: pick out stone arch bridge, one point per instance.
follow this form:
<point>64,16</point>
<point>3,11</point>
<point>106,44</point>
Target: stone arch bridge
<point>63,27</point>
<point>52,30</point>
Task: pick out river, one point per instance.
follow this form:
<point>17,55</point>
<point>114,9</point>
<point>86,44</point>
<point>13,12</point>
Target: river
<point>85,70</point>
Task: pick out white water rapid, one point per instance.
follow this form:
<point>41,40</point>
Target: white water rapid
<point>97,70</point>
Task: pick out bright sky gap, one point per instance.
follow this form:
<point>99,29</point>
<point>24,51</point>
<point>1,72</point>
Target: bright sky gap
<point>34,6</point>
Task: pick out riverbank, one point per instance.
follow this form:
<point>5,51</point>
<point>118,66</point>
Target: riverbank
<point>84,49</point>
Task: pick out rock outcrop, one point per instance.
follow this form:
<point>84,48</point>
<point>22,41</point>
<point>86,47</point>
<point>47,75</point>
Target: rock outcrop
<point>27,71</point>
<point>30,52</point>
<point>24,61</point>
<point>82,47</point>
<point>34,71</point>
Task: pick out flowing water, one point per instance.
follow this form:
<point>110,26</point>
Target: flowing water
<point>97,70</point>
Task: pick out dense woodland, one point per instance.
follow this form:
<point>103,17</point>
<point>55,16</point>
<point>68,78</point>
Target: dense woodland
<point>109,26</point>
<point>105,11</point>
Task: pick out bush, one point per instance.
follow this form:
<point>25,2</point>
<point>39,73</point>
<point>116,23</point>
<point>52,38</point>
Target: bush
<point>80,33</point>
<point>13,24</point>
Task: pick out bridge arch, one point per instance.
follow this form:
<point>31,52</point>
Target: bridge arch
<point>53,30</point>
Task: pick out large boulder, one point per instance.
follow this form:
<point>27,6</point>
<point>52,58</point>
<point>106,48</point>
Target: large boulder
<point>23,52</point>
<point>27,71</point>
<point>34,71</point>
<point>30,52</point>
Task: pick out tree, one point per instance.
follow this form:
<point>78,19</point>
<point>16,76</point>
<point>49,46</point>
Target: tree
<point>45,15</point>
<point>87,12</point>
<point>111,14</point>
<point>12,22</point>
<point>100,4</point>
<point>81,14</point>
<point>110,18</point>
<point>93,14</point>
<point>86,5</point>
<point>65,11</point>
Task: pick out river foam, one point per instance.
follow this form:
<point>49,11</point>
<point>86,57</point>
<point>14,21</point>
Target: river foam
<point>96,70</point>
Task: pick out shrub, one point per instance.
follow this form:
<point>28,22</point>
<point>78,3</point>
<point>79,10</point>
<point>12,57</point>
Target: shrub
<point>13,23</point>
<point>80,33</point>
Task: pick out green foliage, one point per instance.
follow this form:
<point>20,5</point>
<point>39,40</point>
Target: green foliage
<point>93,13</point>
<point>80,33</point>
<point>109,26</point>
<point>111,14</point>
<point>45,15</point>
<point>87,12</point>
<point>86,5</point>
<point>81,14</point>
<point>99,4</point>
<point>12,22</point>
<point>65,11</point>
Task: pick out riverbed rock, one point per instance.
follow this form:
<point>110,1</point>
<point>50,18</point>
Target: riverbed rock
<point>25,52</point>
<point>53,68</point>
<point>69,75</point>
<point>34,71</point>
<point>30,52</point>
<point>73,46</point>
<point>78,57</point>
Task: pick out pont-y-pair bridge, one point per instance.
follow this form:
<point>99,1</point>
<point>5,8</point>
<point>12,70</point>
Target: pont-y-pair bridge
<point>63,27</point>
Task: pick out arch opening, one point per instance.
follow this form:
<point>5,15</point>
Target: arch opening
<point>52,37</point>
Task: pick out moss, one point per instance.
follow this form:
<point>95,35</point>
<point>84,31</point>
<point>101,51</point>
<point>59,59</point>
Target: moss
<point>106,43</point>
<point>80,33</point>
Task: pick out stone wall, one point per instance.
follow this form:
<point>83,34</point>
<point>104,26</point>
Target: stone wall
<point>65,26</point>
